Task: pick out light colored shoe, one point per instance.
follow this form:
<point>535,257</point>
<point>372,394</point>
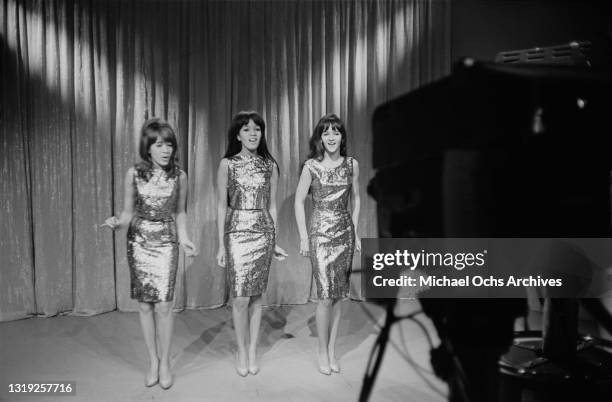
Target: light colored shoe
<point>253,366</point>
<point>166,381</point>
<point>334,365</point>
<point>153,379</point>
<point>149,382</point>
<point>253,369</point>
<point>325,370</point>
<point>242,371</point>
<point>324,365</point>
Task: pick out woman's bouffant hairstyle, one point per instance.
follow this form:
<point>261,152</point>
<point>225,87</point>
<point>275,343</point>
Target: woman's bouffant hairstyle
<point>151,129</point>
<point>242,119</point>
<point>317,149</point>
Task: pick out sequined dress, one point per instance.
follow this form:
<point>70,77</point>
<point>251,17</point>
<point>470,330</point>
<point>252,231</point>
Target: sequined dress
<point>249,228</point>
<point>332,234</point>
<point>152,246</point>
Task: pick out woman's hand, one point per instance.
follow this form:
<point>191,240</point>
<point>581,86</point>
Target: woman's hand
<point>112,223</point>
<point>357,244</point>
<point>221,257</point>
<point>279,253</point>
<point>304,247</point>
<point>189,248</point>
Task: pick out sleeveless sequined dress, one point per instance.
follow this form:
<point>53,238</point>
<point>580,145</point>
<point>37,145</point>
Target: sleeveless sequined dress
<point>332,234</point>
<point>249,228</point>
<point>152,245</point>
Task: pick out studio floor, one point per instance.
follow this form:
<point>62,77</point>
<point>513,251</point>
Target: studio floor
<point>105,355</point>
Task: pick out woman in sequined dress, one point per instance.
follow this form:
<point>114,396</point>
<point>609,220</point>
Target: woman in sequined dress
<point>154,210</point>
<point>246,217</point>
<point>332,178</point>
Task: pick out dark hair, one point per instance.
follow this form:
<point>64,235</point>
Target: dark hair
<point>150,131</point>
<point>242,119</point>
<point>316,143</point>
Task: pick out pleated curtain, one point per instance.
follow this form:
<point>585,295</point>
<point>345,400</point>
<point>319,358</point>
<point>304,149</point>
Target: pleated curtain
<point>80,77</point>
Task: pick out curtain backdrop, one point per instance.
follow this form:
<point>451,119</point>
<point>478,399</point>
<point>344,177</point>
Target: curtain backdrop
<point>80,77</point>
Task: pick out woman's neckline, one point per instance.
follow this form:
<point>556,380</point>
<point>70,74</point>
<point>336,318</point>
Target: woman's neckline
<point>247,155</point>
<point>332,167</point>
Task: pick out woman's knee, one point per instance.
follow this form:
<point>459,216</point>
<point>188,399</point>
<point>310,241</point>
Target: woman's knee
<point>163,308</point>
<point>241,303</point>
<point>326,302</point>
<point>145,308</point>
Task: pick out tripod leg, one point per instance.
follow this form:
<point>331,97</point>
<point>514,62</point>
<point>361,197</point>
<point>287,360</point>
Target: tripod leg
<point>378,351</point>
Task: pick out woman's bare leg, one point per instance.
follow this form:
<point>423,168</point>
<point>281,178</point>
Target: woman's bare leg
<point>147,323</point>
<point>322,316</point>
<point>165,323</point>
<point>336,312</point>
<point>240,315</point>
<point>254,325</point>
